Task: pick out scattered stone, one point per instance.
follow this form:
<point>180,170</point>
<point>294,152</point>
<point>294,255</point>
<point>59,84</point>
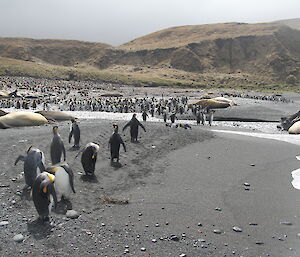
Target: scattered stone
<point>217,231</point>
<point>140,214</point>
<point>259,243</point>
<point>18,238</point>
<point>286,223</point>
<point>182,255</point>
<point>126,251</point>
<point>167,223</point>
<point>157,225</point>
<point>252,164</point>
<point>253,224</point>
<point>72,214</point>
<point>199,225</point>
<point>246,184</point>
<point>237,229</point>
<point>298,235</point>
<point>218,209</point>
<point>143,249</point>
<point>247,188</point>
<point>201,240</point>
<point>174,238</point>
<point>154,240</point>
<point>204,246</point>
<point>4,223</point>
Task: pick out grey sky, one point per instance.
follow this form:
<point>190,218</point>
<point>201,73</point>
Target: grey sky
<point>118,21</point>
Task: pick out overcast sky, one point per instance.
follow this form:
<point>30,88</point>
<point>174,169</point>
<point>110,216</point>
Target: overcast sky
<point>118,21</point>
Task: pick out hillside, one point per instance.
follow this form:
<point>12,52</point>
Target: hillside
<point>293,23</point>
<point>237,55</point>
<point>57,52</point>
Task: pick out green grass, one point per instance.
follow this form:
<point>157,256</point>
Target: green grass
<point>152,78</point>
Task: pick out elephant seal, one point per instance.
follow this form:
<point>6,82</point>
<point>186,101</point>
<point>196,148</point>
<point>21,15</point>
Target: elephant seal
<point>55,115</point>
<point>21,119</point>
<point>2,113</point>
<point>295,128</point>
<point>225,100</point>
<point>211,104</point>
<point>288,121</point>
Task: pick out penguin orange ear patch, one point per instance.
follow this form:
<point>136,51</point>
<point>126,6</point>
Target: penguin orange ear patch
<point>45,189</point>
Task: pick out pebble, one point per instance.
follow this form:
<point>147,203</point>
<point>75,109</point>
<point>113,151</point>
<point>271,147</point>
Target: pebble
<point>252,164</point>
<point>72,214</point>
<point>217,231</point>
<point>143,249</point>
<point>253,224</point>
<point>218,209</point>
<point>199,225</point>
<point>126,251</point>
<point>237,229</point>
<point>154,240</point>
<point>286,223</point>
<point>182,255</point>
<point>259,243</point>
<point>4,223</point>
<point>174,238</point>
<point>18,238</point>
<point>246,184</point>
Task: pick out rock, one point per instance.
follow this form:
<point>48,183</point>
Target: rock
<point>246,184</point>
<point>253,224</point>
<point>174,238</point>
<point>199,225</point>
<point>218,209</point>
<point>154,240</point>
<point>252,164</point>
<point>18,238</point>
<point>72,214</point>
<point>4,223</point>
<point>182,255</point>
<point>143,249</point>
<point>286,223</point>
<point>237,229</point>
<point>217,231</point>
<point>259,243</point>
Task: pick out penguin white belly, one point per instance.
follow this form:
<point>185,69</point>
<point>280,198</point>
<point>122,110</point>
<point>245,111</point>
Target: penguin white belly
<point>51,203</point>
<point>62,183</point>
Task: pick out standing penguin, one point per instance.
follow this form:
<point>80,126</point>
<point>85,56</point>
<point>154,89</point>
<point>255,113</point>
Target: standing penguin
<point>134,128</point>
<point>75,132</point>
<point>89,158</point>
<point>34,164</point>
<point>43,195</point>
<point>64,180</point>
<point>57,147</point>
<point>114,142</point>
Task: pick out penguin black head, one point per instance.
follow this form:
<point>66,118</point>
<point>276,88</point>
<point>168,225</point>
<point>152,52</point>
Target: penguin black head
<point>73,120</point>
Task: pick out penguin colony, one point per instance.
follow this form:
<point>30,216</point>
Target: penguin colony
<point>50,185</point>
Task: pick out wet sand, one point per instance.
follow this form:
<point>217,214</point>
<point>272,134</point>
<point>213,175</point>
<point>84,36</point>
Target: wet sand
<point>181,186</point>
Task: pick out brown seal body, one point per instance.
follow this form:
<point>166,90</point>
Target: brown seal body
<point>55,115</point>
<point>21,119</point>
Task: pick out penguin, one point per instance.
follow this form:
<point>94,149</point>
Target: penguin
<point>34,164</point>
<point>57,147</point>
<point>44,195</point>
<point>89,158</point>
<point>75,132</point>
<point>114,143</point>
<point>64,180</point>
<point>134,128</point>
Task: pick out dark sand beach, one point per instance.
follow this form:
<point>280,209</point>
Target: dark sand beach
<point>185,192</point>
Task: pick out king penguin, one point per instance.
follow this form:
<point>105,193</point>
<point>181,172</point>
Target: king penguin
<point>34,164</point>
<point>43,195</point>
<point>57,147</point>
<point>75,132</point>
<point>64,180</point>
<point>89,158</point>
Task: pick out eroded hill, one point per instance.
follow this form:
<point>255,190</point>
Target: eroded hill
<point>265,55</point>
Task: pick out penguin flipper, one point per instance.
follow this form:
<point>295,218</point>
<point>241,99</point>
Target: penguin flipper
<point>20,158</point>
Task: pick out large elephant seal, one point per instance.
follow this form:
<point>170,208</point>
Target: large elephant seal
<point>225,100</point>
<point>288,121</point>
<point>295,128</point>
<point>55,115</point>
<point>21,119</point>
<point>211,104</point>
<point>2,113</point>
